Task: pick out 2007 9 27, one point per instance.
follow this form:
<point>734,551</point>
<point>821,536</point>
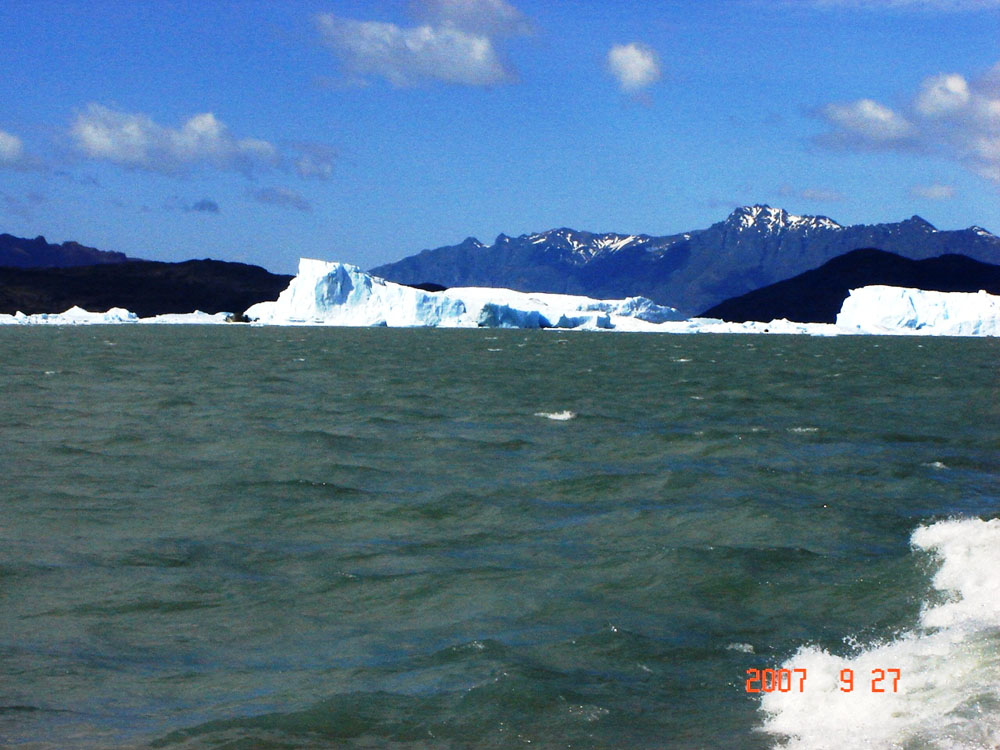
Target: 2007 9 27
<point>794,680</point>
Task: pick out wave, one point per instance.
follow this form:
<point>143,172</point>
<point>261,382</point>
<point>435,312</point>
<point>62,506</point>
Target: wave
<point>947,689</point>
<point>559,416</point>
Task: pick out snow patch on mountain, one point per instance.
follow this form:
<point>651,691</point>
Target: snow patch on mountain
<point>766,219</point>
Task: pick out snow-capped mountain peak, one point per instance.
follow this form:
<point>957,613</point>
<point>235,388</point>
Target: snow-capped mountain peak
<point>763,218</point>
<point>585,245</point>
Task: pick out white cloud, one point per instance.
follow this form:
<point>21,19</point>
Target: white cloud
<point>950,116</point>
<point>935,192</point>
<point>135,140</point>
<point>868,121</point>
<point>11,149</point>
<point>485,17</point>
<point>942,94</point>
<point>410,56</point>
<point>635,66</point>
<point>283,198</point>
<point>13,154</point>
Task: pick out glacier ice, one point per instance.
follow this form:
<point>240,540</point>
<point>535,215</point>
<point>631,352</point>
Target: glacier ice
<point>329,293</point>
<point>78,316</point>
<point>896,310</point>
<point>341,294</point>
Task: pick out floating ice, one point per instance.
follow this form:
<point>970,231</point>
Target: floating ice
<point>341,294</point>
<point>74,316</point>
<point>328,293</point>
<point>889,309</point>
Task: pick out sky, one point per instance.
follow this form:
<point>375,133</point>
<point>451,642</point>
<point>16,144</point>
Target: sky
<point>363,131</point>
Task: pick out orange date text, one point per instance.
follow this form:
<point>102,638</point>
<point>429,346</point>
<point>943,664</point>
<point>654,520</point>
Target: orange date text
<point>794,680</point>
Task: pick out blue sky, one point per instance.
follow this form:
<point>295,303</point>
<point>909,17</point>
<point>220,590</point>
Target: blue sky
<point>366,131</point>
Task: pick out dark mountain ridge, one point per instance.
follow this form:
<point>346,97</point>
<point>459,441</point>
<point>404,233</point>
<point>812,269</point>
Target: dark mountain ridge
<point>143,286</point>
<point>693,271</point>
<point>19,252</point>
<point>816,296</point>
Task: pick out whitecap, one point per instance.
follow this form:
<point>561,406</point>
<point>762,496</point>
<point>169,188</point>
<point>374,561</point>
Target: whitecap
<point>944,671</point>
<point>803,430</point>
<point>745,648</point>
<point>559,416</point>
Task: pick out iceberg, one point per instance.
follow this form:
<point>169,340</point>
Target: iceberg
<point>74,316</point>
<point>339,294</point>
<point>898,310</point>
<point>78,316</point>
<point>330,293</point>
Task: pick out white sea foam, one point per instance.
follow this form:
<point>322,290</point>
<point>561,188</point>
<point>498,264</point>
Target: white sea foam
<point>559,416</point>
<point>949,666</point>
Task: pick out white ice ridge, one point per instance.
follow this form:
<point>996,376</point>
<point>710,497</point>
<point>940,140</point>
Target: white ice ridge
<point>78,316</point>
<point>341,294</point>
<point>895,310</point>
<point>329,293</point>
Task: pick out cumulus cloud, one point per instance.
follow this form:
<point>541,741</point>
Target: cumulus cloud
<point>941,94</point>
<point>484,17</point>
<point>635,66</point>
<point>283,198</point>
<point>135,140</point>
<point>935,192</point>
<point>866,122</point>
<point>411,56</point>
<point>950,116</point>
<point>13,154</point>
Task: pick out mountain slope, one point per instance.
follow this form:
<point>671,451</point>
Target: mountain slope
<point>816,296</point>
<point>755,246</point>
<point>144,287</point>
<point>18,252</point>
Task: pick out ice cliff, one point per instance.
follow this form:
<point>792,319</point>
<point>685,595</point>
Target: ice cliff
<point>325,293</point>
<point>895,310</point>
<point>342,294</point>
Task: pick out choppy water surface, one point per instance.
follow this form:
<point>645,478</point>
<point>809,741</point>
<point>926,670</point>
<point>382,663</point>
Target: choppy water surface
<point>232,537</point>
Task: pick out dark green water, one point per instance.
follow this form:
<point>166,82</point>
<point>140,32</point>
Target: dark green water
<point>233,537</point>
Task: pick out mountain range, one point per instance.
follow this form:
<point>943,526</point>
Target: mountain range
<point>765,262</point>
<point>19,252</point>
<point>694,271</point>
<point>145,287</point>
